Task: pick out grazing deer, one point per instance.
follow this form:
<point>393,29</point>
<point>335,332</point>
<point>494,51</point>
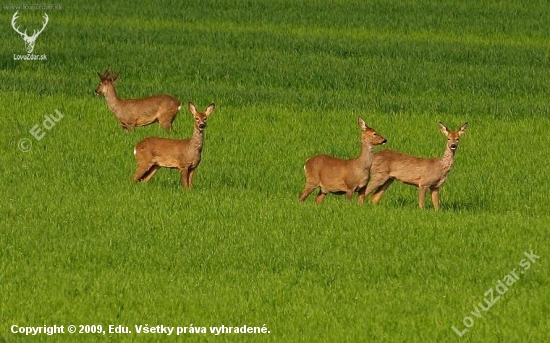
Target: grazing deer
<point>152,153</point>
<point>424,173</point>
<point>138,112</point>
<point>335,175</point>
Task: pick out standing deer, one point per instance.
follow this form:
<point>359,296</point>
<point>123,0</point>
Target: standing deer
<point>152,153</point>
<point>424,173</point>
<point>29,40</point>
<point>138,112</point>
<point>335,175</point>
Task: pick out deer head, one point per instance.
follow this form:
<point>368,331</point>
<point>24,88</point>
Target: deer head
<point>369,135</point>
<point>29,40</point>
<point>200,117</point>
<point>453,136</point>
<point>107,81</point>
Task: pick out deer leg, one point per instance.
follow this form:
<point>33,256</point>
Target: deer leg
<point>309,187</point>
<point>167,114</point>
<point>184,177</point>
<point>141,171</point>
<point>362,194</point>
<point>375,182</point>
<point>435,197</point>
<point>319,198</point>
<point>380,190</point>
<point>166,123</point>
<point>149,174</point>
<point>307,191</point>
<point>349,195</point>
<point>190,177</point>
<point>422,196</point>
<point>128,127</point>
<point>171,116</point>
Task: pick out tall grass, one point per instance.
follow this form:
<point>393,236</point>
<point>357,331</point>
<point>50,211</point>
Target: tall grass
<point>82,244</point>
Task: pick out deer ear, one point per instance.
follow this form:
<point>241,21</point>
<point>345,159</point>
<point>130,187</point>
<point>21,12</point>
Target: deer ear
<point>192,108</point>
<point>362,124</point>
<point>100,76</point>
<point>444,130</point>
<point>462,129</point>
<point>210,109</point>
<point>115,77</point>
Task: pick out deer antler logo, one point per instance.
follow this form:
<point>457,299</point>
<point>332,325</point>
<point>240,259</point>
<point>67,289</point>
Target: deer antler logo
<point>29,40</point>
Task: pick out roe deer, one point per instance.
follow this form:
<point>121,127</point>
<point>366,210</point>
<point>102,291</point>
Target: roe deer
<point>152,153</point>
<point>138,112</point>
<point>336,175</point>
<point>424,173</point>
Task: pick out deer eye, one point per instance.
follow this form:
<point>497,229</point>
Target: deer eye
<point>375,134</point>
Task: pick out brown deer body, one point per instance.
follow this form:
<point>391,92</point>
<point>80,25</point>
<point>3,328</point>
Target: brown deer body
<point>335,175</point>
<point>424,173</point>
<point>138,112</point>
<point>152,153</point>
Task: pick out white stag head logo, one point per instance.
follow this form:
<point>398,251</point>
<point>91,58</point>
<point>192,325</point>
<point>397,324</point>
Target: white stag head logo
<point>29,40</point>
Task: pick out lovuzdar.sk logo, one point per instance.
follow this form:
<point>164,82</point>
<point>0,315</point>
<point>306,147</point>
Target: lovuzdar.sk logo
<point>29,40</point>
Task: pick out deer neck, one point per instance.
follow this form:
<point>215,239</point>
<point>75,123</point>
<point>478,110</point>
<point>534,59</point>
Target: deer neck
<point>447,160</point>
<point>113,101</point>
<point>197,139</point>
<point>367,155</point>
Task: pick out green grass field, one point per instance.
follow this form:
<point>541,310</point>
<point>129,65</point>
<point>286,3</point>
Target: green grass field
<point>81,244</point>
